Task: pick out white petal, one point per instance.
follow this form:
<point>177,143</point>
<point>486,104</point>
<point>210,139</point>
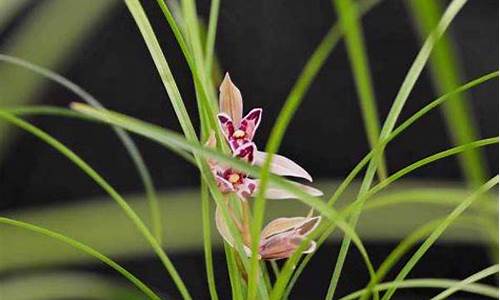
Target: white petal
<point>279,225</point>
<point>273,192</point>
<point>251,122</point>
<point>312,247</point>
<point>222,227</point>
<point>282,166</point>
<point>225,233</point>
<point>246,152</point>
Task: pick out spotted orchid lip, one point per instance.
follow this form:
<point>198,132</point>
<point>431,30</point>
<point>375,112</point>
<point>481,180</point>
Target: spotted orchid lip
<point>239,133</point>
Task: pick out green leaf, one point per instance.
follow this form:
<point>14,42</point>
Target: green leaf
<point>398,104</point>
<point>437,232</point>
<point>136,220</point>
<point>162,66</point>
<point>86,249</point>
<point>127,142</point>
<point>348,15</point>
<point>467,281</point>
<point>479,289</point>
<point>445,70</point>
<point>69,24</point>
<point>207,240</point>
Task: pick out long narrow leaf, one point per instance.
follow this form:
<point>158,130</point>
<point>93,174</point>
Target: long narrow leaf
<point>211,33</point>
<point>347,181</point>
<point>207,241</point>
<point>69,23</point>
<point>291,104</point>
<point>467,281</point>
<point>162,66</point>
<point>445,70</point>
<point>136,220</point>
<point>86,249</point>
<point>438,231</point>
<point>356,50</point>
<point>479,289</point>
<point>127,142</point>
<point>398,104</point>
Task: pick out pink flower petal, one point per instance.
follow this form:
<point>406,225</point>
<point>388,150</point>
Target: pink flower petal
<point>223,185</point>
<point>312,248</point>
<point>246,189</point>
<point>226,125</point>
<point>230,100</point>
<point>304,224</point>
<point>281,237</point>
<point>246,152</point>
<point>282,166</point>
<point>225,232</point>
<point>273,192</point>
<point>278,247</point>
<point>250,123</point>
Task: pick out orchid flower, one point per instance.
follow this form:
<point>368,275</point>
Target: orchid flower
<point>239,130</point>
<point>229,180</point>
<point>282,236</point>
<point>279,239</point>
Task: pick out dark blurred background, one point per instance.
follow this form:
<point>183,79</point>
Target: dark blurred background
<point>264,45</point>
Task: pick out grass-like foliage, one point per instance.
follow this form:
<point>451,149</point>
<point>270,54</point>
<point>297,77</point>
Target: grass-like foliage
<point>239,218</point>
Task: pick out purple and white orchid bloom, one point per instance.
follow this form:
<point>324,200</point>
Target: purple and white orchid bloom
<point>232,181</point>
<point>242,132</point>
<point>239,130</point>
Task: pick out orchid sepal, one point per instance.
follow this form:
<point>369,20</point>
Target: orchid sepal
<point>281,237</point>
<point>277,193</point>
<point>282,166</point>
<point>230,100</point>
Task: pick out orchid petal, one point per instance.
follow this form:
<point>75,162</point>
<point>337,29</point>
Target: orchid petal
<point>222,227</point>
<point>281,237</point>
<point>277,247</point>
<point>246,152</point>
<point>304,224</point>
<point>230,100</point>
<point>282,166</point>
<point>283,245</point>
<point>309,225</point>
<point>226,125</point>
<point>273,192</point>
<point>312,248</point>
<point>250,122</point>
<point>224,185</point>
<point>247,188</point>
<point>224,231</point>
<point>211,143</point>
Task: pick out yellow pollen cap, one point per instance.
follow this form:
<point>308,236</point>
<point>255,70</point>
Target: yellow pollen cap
<point>233,178</point>
<point>239,134</point>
